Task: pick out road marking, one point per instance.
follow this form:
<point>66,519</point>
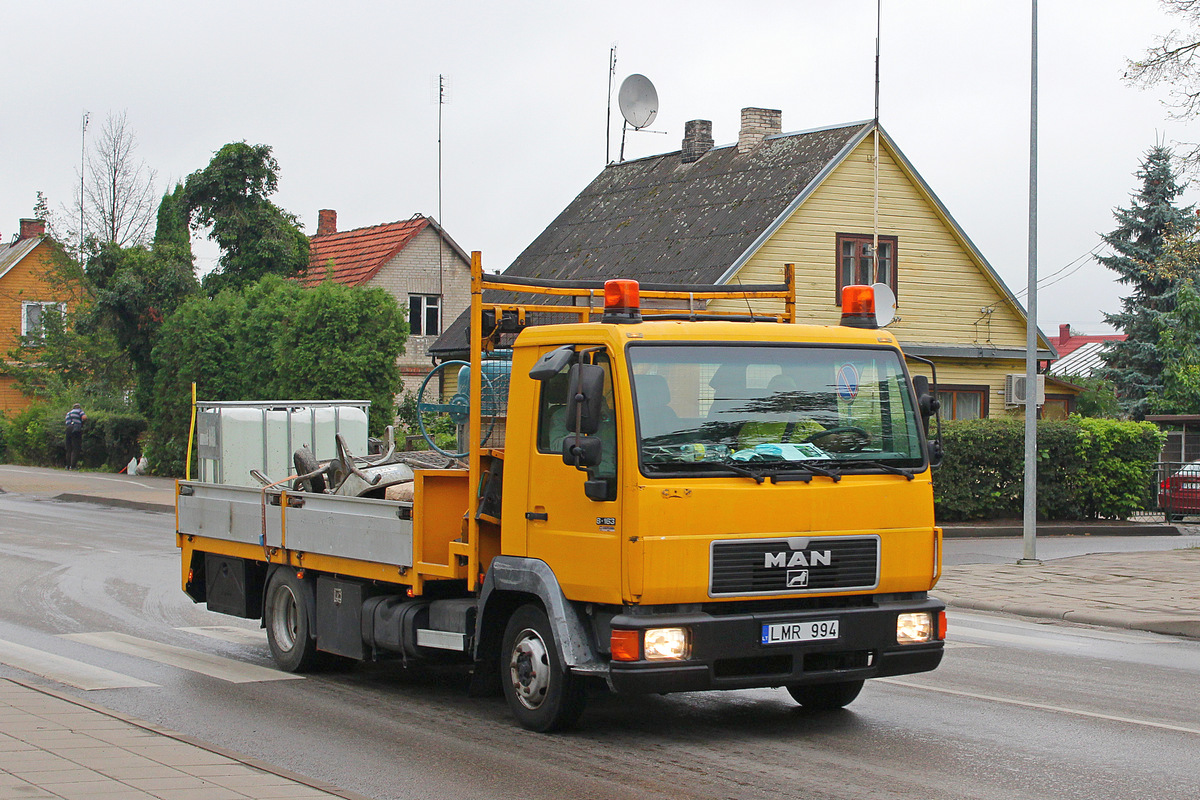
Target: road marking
<point>1042,706</point>
<point>65,670</point>
<point>1055,628</point>
<point>80,475</point>
<point>229,633</point>
<point>194,661</point>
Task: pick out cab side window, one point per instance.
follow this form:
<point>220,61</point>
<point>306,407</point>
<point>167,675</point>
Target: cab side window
<point>554,426</point>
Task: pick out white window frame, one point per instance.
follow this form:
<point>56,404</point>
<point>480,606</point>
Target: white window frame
<point>427,301</point>
<point>40,333</point>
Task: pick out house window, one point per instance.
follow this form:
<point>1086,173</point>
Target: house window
<point>424,314</point>
<point>855,264</point>
<point>32,315</point>
<point>963,402</point>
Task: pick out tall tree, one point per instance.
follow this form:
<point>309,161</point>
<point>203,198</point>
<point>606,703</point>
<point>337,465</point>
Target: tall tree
<point>118,189</point>
<point>230,197</point>
<point>1139,244</point>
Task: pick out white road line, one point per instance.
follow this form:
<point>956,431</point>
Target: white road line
<point>65,670</point>
<point>229,633</point>
<point>952,645</point>
<point>194,661</point>
<point>79,475</point>
<point>1042,706</point>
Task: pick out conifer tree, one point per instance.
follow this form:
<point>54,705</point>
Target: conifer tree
<point>1139,242</point>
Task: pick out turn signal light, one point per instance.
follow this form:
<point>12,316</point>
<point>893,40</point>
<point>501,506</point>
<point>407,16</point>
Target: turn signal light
<point>858,307</point>
<point>626,645</point>
<point>622,301</point>
<point>942,628</point>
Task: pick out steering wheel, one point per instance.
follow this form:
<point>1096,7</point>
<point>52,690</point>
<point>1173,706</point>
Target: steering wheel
<point>861,439</point>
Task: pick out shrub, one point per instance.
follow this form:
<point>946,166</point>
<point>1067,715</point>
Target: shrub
<point>36,436</point>
<point>1087,469</point>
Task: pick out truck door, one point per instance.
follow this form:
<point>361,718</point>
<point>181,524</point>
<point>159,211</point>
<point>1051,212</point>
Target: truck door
<point>578,537</point>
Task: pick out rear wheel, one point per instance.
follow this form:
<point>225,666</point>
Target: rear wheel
<point>825,696</point>
<point>293,644</point>
<point>542,695</point>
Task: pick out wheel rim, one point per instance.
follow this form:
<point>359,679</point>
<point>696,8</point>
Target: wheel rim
<point>285,618</point>
<point>529,669</point>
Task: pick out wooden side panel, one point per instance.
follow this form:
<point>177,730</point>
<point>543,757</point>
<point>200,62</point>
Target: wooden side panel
<point>941,287</point>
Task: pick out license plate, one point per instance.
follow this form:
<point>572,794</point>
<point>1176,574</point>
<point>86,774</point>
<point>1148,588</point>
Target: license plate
<point>783,633</point>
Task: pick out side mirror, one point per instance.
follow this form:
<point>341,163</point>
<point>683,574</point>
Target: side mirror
<point>582,452</point>
<point>585,397</point>
<point>935,453</point>
<point>552,363</point>
<point>926,402</point>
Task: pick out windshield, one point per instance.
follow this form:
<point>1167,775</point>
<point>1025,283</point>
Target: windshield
<point>707,407</point>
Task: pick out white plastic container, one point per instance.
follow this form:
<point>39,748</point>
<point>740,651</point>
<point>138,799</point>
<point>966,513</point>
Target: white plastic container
<point>233,438</point>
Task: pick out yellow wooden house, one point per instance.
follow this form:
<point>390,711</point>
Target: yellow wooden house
<point>740,212</point>
<point>27,288</point>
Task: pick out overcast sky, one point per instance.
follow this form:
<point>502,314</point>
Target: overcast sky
<point>345,94</point>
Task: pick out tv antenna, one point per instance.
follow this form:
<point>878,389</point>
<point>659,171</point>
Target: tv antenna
<point>638,101</point>
<point>612,71</point>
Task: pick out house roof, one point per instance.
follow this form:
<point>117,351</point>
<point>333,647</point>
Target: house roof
<point>665,221</point>
<point>1070,344</point>
<point>12,253</point>
<point>1083,359</point>
<point>358,254</point>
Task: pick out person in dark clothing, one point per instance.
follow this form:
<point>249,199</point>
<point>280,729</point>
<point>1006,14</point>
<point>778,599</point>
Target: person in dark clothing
<point>75,420</point>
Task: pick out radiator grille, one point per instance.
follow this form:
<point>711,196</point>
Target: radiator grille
<point>773,566</point>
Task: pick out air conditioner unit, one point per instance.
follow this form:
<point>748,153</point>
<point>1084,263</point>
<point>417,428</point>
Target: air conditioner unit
<point>1014,389</point>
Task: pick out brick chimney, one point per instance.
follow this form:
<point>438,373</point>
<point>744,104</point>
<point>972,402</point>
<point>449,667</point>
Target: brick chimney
<point>1064,332</point>
<point>697,140</point>
<point>758,124</point>
<point>32,229</point>
<point>326,222</point>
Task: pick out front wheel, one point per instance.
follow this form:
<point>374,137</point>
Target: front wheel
<point>825,696</point>
<point>542,695</point>
<point>292,643</point>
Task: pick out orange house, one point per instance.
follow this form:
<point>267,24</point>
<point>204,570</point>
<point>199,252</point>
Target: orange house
<point>26,289</point>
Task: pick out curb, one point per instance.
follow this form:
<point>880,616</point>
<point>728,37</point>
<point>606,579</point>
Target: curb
<point>958,531</point>
<point>1166,625</point>
<point>116,502</point>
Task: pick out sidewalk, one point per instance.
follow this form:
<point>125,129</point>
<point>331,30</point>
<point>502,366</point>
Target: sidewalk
<point>1152,591</point>
<point>140,491</point>
<point>56,746</point>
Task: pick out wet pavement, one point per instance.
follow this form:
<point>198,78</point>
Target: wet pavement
<point>56,746</point>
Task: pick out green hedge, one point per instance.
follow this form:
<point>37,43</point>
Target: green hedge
<point>37,436</point>
<point>1087,469</point>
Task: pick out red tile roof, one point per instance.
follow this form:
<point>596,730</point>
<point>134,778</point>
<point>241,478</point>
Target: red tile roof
<point>358,254</point>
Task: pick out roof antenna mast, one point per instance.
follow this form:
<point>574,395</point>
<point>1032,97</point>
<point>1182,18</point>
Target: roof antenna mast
<point>875,235</point>
<point>612,71</point>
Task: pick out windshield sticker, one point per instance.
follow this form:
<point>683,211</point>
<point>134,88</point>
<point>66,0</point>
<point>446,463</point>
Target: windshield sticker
<point>847,382</point>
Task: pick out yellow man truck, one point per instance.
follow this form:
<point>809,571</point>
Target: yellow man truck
<point>652,494</point>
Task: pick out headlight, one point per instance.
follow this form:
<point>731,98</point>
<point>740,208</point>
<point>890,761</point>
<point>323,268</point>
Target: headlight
<point>664,644</point>
<point>914,628</point>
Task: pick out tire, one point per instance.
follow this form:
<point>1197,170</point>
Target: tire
<point>825,696</point>
<point>286,614</point>
<point>540,694</point>
<point>305,463</point>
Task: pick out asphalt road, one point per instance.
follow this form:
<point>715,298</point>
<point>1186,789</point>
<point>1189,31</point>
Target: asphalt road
<point>1018,710</point>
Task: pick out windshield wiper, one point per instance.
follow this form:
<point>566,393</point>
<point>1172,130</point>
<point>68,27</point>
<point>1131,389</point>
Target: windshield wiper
<point>907,473</point>
<point>710,466</point>
<point>808,467</point>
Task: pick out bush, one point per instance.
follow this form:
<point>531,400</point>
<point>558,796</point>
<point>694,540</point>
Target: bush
<point>1087,469</point>
<point>37,435</point>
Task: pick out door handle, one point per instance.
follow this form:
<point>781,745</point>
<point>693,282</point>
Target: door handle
<point>541,515</point>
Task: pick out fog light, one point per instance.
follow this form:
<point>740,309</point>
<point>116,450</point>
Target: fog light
<point>913,628</point>
<point>664,644</point>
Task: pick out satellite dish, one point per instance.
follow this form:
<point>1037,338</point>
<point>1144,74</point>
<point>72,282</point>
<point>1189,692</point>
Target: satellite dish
<point>885,304</point>
<point>638,101</point>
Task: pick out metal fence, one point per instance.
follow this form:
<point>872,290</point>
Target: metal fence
<point>1174,494</point>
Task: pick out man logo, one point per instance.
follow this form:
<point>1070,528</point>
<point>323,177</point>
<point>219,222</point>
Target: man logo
<point>797,578</point>
<point>815,558</point>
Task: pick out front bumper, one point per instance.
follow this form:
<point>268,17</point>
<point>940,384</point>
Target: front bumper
<point>727,650</point>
